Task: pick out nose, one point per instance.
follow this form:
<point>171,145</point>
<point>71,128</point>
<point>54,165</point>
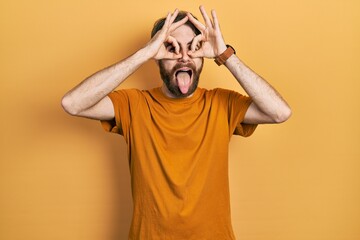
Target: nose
<point>184,55</point>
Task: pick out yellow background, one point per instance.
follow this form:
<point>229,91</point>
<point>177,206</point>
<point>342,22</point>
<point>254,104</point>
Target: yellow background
<point>65,178</point>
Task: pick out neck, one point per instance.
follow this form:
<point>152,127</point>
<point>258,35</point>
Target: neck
<point>167,93</point>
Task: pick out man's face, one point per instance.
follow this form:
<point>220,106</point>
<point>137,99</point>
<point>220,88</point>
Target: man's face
<point>181,76</point>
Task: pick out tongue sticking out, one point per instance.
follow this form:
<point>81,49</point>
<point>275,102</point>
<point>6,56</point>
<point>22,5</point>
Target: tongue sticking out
<point>184,81</point>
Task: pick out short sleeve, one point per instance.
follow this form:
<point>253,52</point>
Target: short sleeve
<point>121,103</point>
<point>238,105</point>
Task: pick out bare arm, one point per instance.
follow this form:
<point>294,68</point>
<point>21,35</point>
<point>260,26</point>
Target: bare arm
<point>89,98</point>
<point>268,106</point>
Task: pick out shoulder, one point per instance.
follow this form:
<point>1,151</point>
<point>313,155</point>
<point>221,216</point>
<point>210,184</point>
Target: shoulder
<point>126,94</point>
<point>227,97</point>
<point>223,93</point>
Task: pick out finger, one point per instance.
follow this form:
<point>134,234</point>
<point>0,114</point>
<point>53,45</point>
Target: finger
<point>205,16</point>
<point>196,23</point>
<point>171,56</point>
<point>195,42</point>
<point>197,54</point>
<point>170,18</point>
<point>215,19</point>
<point>174,43</point>
<point>174,15</point>
<point>174,56</point>
<point>178,24</point>
<point>194,50</point>
<point>166,22</point>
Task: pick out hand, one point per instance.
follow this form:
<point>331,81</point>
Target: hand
<point>157,45</point>
<point>211,40</point>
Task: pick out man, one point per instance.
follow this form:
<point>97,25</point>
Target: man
<point>178,134</point>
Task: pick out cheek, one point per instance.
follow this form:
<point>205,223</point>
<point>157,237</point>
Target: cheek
<point>198,63</point>
<point>167,64</point>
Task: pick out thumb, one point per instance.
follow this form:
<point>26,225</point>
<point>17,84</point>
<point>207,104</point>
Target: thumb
<point>196,54</point>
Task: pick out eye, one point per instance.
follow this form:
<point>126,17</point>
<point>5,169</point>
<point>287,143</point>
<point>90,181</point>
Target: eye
<point>170,48</point>
<point>198,46</point>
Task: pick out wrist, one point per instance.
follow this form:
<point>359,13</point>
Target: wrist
<point>228,52</point>
<point>221,50</point>
<point>145,53</point>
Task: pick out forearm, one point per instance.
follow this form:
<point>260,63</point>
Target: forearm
<point>94,88</point>
<point>264,96</point>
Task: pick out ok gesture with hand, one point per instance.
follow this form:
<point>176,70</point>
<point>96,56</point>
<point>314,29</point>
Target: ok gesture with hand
<point>163,37</point>
<point>211,40</point>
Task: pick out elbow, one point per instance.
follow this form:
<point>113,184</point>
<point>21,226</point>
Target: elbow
<point>68,106</point>
<point>283,115</point>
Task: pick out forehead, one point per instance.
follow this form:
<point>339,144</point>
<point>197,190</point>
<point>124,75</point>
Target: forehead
<point>183,34</point>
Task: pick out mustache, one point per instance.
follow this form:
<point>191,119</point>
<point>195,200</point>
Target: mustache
<point>182,65</point>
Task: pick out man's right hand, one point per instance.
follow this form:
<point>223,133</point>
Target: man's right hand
<point>163,45</point>
<point>89,98</point>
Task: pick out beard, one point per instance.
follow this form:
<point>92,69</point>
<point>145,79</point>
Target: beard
<point>169,78</point>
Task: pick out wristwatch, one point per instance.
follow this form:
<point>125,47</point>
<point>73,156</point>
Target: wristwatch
<point>221,59</point>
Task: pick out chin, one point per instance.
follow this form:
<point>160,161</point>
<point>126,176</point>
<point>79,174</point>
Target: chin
<point>174,89</point>
<point>170,78</point>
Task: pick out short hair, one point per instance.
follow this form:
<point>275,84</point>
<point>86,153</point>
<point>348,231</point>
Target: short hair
<point>182,14</point>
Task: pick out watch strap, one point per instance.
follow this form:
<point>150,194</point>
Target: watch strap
<point>221,59</point>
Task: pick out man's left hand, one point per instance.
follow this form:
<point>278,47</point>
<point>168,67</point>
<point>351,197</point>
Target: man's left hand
<point>211,40</point>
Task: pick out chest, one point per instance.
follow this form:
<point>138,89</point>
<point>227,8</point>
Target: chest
<point>181,126</point>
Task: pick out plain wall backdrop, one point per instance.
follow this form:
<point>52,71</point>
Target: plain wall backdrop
<point>63,177</point>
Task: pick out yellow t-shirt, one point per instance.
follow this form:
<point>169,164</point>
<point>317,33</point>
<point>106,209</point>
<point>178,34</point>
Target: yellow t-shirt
<point>178,156</point>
